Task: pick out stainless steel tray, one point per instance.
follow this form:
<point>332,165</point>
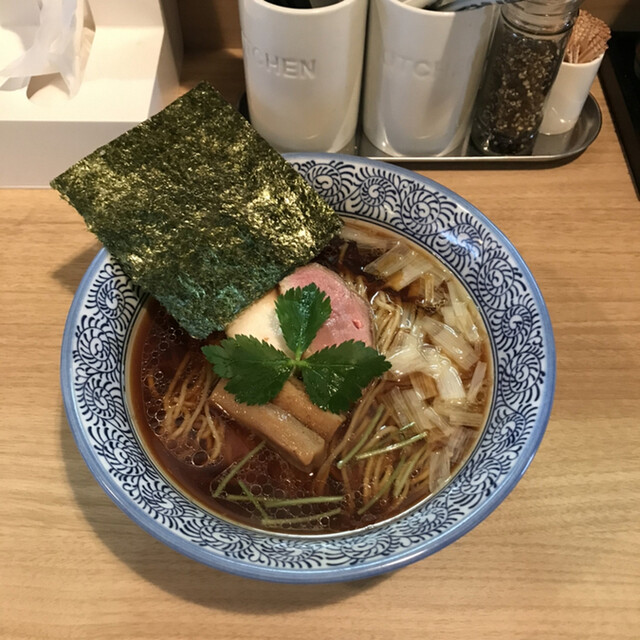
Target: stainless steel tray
<point>556,149</point>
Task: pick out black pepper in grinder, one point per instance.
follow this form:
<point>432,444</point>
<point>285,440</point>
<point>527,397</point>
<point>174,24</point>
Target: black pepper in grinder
<point>526,53</point>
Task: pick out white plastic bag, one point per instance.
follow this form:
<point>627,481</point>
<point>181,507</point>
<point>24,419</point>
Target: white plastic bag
<point>60,45</point>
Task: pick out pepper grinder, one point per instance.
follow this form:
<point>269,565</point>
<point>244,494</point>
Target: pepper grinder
<point>526,53</point>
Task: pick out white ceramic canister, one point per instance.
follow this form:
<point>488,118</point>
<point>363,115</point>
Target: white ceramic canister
<point>422,74</point>
<point>303,70</point>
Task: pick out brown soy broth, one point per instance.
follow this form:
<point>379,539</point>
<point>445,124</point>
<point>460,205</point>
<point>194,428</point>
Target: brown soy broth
<point>158,348</point>
<point>154,330</point>
<point>154,325</point>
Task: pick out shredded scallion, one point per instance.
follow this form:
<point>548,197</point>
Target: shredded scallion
<point>292,502</point>
<point>392,447</point>
<point>234,470</point>
<point>365,436</point>
<point>407,471</point>
<point>283,502</point>
<point>277,522</point>
<point>383,489</point>
<point>252,499</point>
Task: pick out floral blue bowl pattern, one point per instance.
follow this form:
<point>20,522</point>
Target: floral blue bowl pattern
<point>92,375</point>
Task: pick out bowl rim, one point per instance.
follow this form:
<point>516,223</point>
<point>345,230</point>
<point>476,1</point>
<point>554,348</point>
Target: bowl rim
<point>341,573</point>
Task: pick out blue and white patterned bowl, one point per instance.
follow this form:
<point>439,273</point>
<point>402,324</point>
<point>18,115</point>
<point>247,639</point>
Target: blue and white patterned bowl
<point>92,374</point>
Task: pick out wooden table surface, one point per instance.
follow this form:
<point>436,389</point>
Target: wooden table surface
<point>559,559</point>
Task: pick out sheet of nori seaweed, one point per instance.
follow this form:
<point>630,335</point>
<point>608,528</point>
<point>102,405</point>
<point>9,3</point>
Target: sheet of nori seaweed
<point>199,210</point>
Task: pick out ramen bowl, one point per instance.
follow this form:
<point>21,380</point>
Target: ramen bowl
<point>99,329</point>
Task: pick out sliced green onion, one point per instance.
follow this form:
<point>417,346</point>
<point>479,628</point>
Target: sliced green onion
<point>365,436</point>
<point>392,447</point>
<point>383,489</point>
<point>452,342</point>
<point>276,522</point>
<point>233,470</point>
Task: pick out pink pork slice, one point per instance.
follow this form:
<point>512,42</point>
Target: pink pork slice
<point>350,318</point>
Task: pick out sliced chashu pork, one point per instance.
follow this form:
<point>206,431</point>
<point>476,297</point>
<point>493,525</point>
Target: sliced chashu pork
<point>350,317</point>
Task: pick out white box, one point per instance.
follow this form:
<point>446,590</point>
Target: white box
<point>131,73</point>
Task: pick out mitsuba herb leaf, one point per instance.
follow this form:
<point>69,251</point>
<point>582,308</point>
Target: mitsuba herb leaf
<point>335,376</point>
<point>256,371</point>
<point>301,313</point>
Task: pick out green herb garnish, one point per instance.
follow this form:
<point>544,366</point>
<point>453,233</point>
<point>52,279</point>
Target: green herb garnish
<point>333,377</point>
<point>301,313</point>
